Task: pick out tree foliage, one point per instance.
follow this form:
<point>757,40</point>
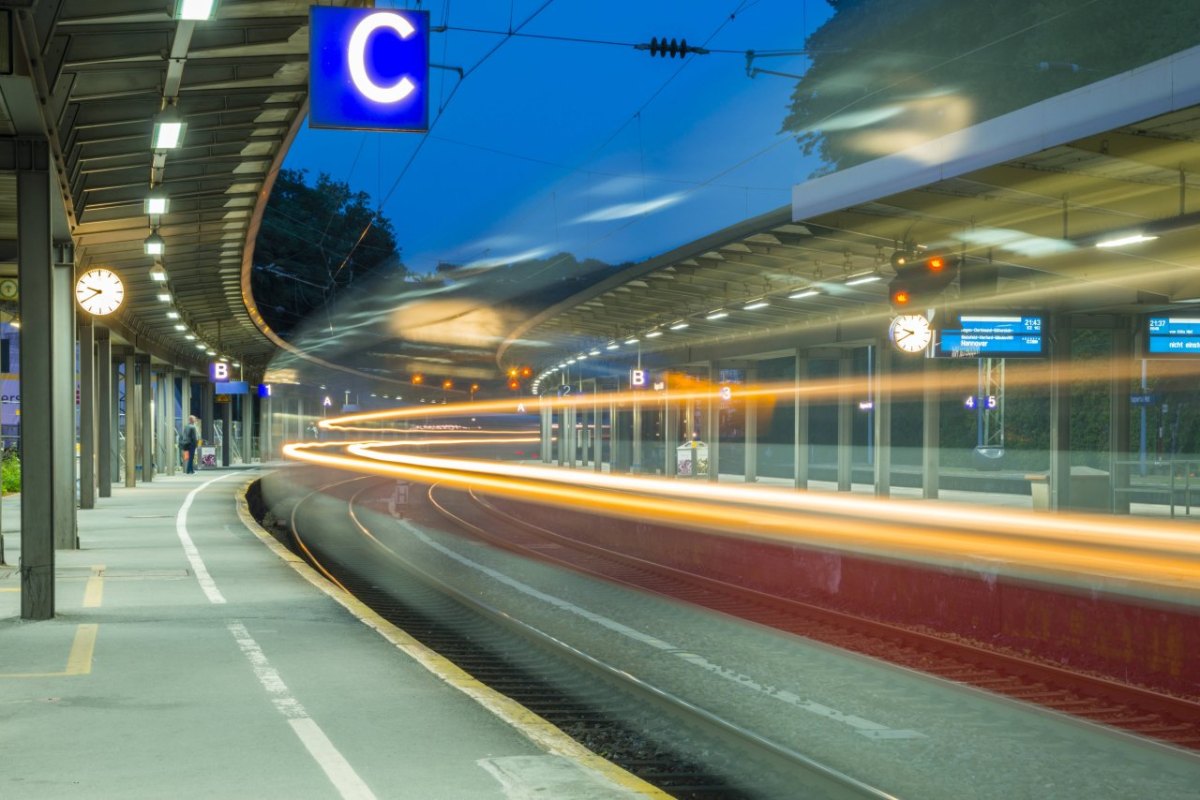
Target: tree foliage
<point>316,242</point>
<point>887,74</point>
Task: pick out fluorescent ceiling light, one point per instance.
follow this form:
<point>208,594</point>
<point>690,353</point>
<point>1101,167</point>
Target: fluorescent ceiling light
<point>181,327</point>
<point>861,279</point>
<point>172,315</point>
<point>155,244</point>
<point>754,306</point>
<point>165,297</point>
<point>570,361</point>
<point>803,294</point>
<point>201,346</point>
<point>1136,238</point>
<point>631,340</point>
<point>718,314</point>
<point>195,9</point>
<point>156,204</point>
<point>168,131</point>
<point>595,352</point>
<point>653,334</point>
<point>612,346</point>
<point>678,326</point>
<point>191,337</point>
<point>581,357</point>
<point>158,275</point>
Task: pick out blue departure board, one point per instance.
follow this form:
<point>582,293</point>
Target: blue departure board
<point>1174,336</point>
<point>1003,335</point>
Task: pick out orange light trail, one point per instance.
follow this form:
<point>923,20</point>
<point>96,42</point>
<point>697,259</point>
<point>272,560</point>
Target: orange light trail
<point>1136,556</point>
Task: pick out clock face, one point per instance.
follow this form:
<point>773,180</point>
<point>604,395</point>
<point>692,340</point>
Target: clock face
<point>8,288</point>
<point>99,291</point>
<point>911,333</point>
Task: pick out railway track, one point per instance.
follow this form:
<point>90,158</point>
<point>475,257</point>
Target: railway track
<point>662,739</point>
<point>1168,719</point>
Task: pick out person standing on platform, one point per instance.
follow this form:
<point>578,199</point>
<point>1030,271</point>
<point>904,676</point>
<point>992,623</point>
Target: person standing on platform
<point>191,439</point>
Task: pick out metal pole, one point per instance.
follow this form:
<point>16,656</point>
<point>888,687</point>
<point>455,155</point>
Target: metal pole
<point>226,431</point>
<point>209,426</point>
<point>247,402</point>
<point>1060,414</point>
<point>87,412</point>
<point>1118,393</point>
<point>104,413</point>
<point>800,424</point>
<point>751,445</point>
<point>845,423</point>
<point>931,441</point>
<point>132,429</point>
<point>146,396</point>
<point>62,396</point>
<point>713,424</point>
<point>883,421</point>
<point>168,444</point>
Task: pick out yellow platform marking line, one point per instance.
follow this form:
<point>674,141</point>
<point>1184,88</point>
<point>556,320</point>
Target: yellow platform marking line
<point>83,647</point>
<point>538,730</point>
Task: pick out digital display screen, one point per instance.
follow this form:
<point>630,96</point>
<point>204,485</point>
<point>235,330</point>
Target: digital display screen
<point>994,336</point>
<point>1173,336</point>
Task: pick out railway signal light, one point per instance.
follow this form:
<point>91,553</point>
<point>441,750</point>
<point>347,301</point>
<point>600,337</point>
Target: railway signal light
<point>514,384</point>
<point>418,379</point>
<point>920,280</point>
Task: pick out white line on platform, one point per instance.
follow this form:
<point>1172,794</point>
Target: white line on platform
<point>189,547</point>
<point>347,782</point>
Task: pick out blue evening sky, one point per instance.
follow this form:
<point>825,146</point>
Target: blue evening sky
<point>595,149</point>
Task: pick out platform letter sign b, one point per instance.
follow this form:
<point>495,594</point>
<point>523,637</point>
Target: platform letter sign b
<point>219,371</point>
<point>368,69</point>
<point>637,378</point>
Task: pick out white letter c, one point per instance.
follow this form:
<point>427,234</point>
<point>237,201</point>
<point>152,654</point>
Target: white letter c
<point>358,58</point>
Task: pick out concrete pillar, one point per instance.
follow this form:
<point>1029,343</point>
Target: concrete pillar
<point>132,429</point>
<point>87,412</point>
<point>637,433</point>
<point>105,411</point>
<point>62,399</point>
<point>800,423</point>
<point>546,416</point>
<point>1060,413</point>
<point>883,419</point>
<point>168,446</point>
<point>146,397</point>
<point>597,430</point>
<point>931,433</point>
<point>41,481</point>
<point>1120,387</point>
<point>751,446</point>
<point>845,422</point>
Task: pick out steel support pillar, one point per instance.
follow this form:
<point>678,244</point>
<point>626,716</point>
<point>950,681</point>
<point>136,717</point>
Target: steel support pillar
<point>800,423</point>
<point>671,435</point>
<point>712,423</point>
<point>637,434</point>
<point>105,426</point>
<point>168,447</point>
<point>1060,413</point>
<point>226,432</point>
<point>1120,387</point>
<point>146,418</point>
<point>247,403</point>
<point>751,445</point>
<point>883,419</point>
<point>931,433</point>
<point>208,425</point>
<point>132,429</point>
<point>87,412</point>
<point>845,423</point>
<point>40,479</point>
<point>62,399</point>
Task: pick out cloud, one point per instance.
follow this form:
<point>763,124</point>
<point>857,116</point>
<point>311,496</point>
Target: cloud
<point>626,210</point>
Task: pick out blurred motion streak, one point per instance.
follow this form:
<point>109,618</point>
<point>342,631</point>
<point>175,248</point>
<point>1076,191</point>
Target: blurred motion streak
<point>1142,556</point>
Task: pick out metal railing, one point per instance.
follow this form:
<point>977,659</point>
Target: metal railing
<point>1172,488</point>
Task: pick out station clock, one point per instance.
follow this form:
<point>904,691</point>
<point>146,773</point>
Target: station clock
<point>99,291</point>
<point>911,333</point>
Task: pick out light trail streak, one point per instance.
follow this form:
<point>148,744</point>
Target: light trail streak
<point>944,382</point>
<point>1060,547</point>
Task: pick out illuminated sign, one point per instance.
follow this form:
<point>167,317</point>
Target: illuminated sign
<point>368,69</point>
<point>980,401</point>
<point>218,371</point>
<point>1173,336</point>
<point>264,390</point>
<point>637,377</point>
<point>1004,335</point>
<point>233,387</point>
<point>726,393</point>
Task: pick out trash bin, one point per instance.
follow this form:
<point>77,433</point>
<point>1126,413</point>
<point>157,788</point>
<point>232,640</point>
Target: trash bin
<point>1090,488</point>
<point>691,458</point>
<point>206,457</point>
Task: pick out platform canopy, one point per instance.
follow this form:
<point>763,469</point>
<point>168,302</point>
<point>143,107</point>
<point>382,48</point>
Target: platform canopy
<point>102,76</point>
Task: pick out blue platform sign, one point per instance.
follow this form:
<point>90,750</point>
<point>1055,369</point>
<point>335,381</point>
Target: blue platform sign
<point>1177,336</point>
<point>233,387</point>
<point>368,69</point>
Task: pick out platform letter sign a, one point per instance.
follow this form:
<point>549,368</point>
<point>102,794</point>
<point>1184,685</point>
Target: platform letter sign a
<point>219,371</point>
<point>368,69</point>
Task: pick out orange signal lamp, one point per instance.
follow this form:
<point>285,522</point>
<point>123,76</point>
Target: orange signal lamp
<point>514,384</point>
<point>901,298</point>
<point>447,384</point>
<point>512,373</point>
<point>936,263</point>
<point>418,378</point>
<point>526,372</point>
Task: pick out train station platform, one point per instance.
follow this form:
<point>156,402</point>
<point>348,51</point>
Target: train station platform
<point>193,656</point>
